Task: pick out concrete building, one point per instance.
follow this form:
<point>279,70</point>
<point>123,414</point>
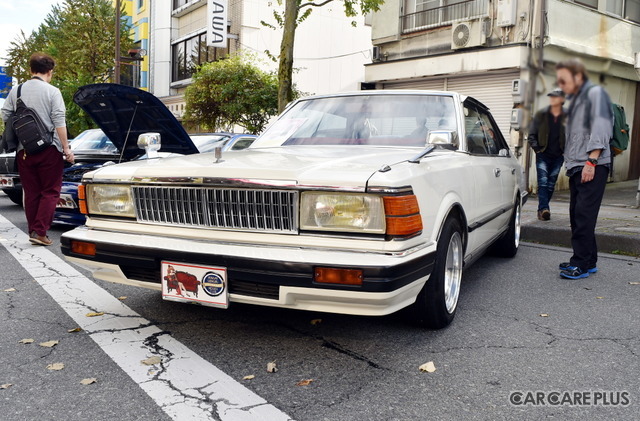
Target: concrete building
<point>480,47</point>
<point>329,52</point>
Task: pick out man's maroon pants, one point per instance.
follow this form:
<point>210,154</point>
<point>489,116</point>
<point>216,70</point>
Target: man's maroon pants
<point>41,178</point>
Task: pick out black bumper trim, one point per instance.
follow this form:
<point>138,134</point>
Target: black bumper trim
<point>143,264</point>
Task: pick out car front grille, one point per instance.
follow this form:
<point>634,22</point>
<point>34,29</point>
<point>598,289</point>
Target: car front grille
<point>212,207</point>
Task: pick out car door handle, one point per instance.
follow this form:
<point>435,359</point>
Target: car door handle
<point>496,172</point>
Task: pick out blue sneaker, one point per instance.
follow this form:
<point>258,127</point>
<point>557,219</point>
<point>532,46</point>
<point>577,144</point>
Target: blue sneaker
<point>568,266</point>
<point>574,273</point>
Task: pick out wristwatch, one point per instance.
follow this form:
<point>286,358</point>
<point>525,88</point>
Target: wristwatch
<point>592,161</point>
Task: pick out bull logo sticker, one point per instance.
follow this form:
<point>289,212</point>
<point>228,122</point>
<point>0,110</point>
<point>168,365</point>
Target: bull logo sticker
<point>194,283</point>
<point>212,284</point>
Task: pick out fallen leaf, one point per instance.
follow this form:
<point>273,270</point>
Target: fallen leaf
<point>94,314</point>
<point>306,382</point>
<point>26,341</point>
<point>152,360</point>
<point>88,381</point>
<point>49,344</point>
<point>77,329</point>
<point>271,367</point>
<point>10,290</point>
<point>599,298</point>
<point>249,377</point>
<point>634,283</point>
<point>5,386</point>
<point>55,366</point>
<point>429,367</point>
<point>316,321</point>
<point>122,298</point>
<point>544,315</point>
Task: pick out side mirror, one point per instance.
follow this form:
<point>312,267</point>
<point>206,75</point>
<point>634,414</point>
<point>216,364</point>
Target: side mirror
<point>150,142</point>
<point>503,152</point>
<point>445,138</point>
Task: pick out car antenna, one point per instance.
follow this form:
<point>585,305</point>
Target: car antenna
<point>416,159</point>
<point>128,132</point>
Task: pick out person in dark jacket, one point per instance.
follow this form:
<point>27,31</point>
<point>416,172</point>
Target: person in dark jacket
<point>587,158</point>
<point>547,139</point>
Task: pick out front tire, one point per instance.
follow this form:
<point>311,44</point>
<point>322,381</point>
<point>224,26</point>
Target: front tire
<point>437,302</point>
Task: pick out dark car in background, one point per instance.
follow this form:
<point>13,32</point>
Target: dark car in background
<point>124,113</point>
<point>95,147</point>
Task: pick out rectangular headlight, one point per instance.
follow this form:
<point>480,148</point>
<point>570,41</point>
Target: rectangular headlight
<point>110,199</point>
<point>342,212</point>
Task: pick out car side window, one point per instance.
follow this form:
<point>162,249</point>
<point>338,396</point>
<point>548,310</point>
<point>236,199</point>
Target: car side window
<point>492,144</point>
<point>475,133</point>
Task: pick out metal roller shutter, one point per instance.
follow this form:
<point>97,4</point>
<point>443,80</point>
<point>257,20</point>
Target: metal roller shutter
<point>431,84</point>
<point>493,90</point>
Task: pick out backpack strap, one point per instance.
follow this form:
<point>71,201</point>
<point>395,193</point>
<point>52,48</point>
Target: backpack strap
<point>19,91</point>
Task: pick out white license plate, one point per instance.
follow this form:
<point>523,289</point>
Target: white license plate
<point>66,202</point>
<point>206,285</point>
<point>6,181</point>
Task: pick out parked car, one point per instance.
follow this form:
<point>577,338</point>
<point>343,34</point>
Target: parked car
<point>91,98</point>
<point>208,142</point>
<point>360,203</point>
<point>10,179</point>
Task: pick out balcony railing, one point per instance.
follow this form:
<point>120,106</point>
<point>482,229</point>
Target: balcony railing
<point>445,15</point>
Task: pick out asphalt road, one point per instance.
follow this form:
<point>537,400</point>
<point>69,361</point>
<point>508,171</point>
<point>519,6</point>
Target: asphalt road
<point>519,329</point>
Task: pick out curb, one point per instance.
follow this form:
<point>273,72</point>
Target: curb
<point>607,243</point>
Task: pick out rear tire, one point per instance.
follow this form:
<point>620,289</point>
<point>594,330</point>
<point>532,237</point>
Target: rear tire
<point>15,196</point>
<point>437,302</point>
<point>507,245</point>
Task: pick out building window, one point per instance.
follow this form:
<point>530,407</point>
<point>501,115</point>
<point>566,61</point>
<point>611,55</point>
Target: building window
<point>188,54</point>
<point>179,3</point>
<point>627,9</point>
<point>589,3</point>
<point>425,14</point>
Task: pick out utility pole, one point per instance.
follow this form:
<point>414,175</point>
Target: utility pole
<point>116,73</point>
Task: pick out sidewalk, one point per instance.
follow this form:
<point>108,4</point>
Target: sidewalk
<point>617,231</point>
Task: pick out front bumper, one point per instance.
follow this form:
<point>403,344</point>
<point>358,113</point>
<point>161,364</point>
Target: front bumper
<point>274,276</point>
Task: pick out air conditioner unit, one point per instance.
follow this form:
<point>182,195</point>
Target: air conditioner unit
<point>468,33</point>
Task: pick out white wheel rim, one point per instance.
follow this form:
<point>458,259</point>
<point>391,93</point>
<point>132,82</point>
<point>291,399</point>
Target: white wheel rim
<point>517,227</point>
<point>453,272</point>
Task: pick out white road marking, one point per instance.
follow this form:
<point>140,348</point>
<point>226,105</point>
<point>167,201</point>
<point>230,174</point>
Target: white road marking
<point>184,385</point>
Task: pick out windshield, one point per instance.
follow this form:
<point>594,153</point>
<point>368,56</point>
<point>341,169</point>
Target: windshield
<point>383,120</point>
<point>93,142</point>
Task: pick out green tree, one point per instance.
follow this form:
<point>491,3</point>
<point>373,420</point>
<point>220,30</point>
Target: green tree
<point>295,12</point>
<point>231,92</point>
<point>80,36</point>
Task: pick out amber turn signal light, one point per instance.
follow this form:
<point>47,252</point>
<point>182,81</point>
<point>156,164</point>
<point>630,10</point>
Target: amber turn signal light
<point>81,247</point>
<point>82,200</point>
<point>338,276</point>
<point>402,215</point>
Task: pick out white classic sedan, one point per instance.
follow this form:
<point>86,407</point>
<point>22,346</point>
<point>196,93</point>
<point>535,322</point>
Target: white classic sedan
<point>361,203</point>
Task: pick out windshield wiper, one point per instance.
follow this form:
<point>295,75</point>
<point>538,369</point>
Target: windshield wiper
<point>416,159</point>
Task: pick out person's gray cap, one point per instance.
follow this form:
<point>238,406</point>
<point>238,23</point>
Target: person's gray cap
<point>556,92</point>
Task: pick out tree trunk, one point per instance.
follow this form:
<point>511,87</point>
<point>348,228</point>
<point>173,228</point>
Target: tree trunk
<point>285,67</point>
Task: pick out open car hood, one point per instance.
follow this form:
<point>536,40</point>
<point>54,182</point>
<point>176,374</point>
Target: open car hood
<point>124,112</point>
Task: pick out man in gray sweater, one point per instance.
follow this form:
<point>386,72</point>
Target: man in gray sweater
<point>41,174</point>
<point>587,158</point>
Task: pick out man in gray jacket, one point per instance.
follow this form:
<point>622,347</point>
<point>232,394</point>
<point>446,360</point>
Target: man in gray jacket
<point>587,158</point>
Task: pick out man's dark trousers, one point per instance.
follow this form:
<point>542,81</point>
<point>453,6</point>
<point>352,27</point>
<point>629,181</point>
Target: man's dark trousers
<point>41,178</point>
<point>583,214</point>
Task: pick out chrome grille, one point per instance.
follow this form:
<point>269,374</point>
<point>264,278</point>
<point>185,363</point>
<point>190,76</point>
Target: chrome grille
<point>209,207</point>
